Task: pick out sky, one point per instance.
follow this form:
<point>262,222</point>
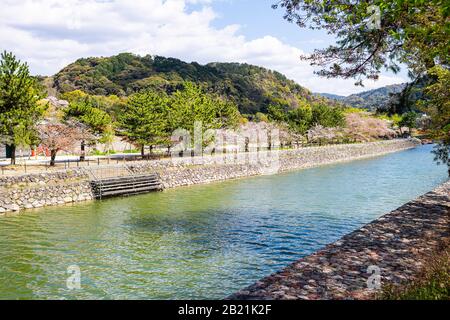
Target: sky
<point>50,34</point>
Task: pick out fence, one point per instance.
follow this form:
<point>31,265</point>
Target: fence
<point>24,166</point>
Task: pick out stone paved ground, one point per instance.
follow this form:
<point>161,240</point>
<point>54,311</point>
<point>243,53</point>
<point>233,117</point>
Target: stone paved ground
<point>398,243</point>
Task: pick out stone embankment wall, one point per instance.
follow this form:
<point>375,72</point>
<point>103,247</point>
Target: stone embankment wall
<point>393,249</point>
<point>38,190</point>
<point>190,171</point>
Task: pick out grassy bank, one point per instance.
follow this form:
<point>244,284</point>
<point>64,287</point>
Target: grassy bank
<point>432,284</point>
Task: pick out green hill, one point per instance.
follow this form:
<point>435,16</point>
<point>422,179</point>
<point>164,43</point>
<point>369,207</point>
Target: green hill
<point>252,88</point>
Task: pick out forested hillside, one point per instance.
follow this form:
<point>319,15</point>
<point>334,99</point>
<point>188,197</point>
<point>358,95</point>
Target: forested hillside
<point>252,88</point>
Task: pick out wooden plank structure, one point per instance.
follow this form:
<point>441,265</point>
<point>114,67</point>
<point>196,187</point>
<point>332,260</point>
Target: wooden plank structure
<point>115,181</point>
<point>125,186</point>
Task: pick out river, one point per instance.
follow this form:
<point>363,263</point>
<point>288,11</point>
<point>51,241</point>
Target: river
<point>206,241</point>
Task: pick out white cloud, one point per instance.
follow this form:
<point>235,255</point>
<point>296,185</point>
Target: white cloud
<point>49,34</point>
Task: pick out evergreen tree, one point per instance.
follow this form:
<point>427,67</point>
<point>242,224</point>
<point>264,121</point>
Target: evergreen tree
<point>409,120</point>
<point>19,96</point>
<point>192,105</point>
<point>144,120</point>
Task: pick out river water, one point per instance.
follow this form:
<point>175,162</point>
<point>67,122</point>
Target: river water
<point>204,241</point>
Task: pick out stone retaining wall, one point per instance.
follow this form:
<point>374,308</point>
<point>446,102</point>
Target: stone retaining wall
<point>37,190</point>
<point>41,179</point>
<point>398,243</point>
<point>44,195</point>
<point>190,171</point>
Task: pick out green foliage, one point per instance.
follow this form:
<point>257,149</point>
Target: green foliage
<point>306,116</point>
<point>130,151</point>
<point>437,104</point>
<point>277,113</point>
<point>409,120</point>
<point>19,97</point>
<point>301,119</point>
<point>394,118</point>
<point>25,136</point>
<point>97,152</point>
<point>192,104</point>
<point>432,284</point>
<point>150,118</point>
<point>112,104</point>
<point>261,117</point>
<point>97,120</point>
<point>410,31</point>
<point>352,110</point>
<point>327,116</point>
<point>251,88</point>
<point>144,120</point>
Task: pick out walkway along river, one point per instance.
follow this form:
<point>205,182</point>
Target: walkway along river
<point>205,241</point>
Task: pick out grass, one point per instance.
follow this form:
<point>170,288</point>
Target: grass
<point>96,152</point>
<point>432,284</point>
<point>131,151</point>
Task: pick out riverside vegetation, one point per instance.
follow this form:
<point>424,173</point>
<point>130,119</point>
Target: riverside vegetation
<point>144,100</point>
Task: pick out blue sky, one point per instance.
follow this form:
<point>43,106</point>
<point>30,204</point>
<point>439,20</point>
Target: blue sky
<point>49,34</point>
<point>258,19</point>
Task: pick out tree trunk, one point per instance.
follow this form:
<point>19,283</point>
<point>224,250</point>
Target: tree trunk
<point>143,150</point>
<point>13,154</point>
<point>53,157</point>
<point>83,151</point>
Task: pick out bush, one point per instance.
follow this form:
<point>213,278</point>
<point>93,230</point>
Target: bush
<point>432,284</point>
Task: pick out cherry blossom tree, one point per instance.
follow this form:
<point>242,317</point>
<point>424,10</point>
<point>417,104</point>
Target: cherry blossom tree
<point>362,128</point>
<point>60,137</point>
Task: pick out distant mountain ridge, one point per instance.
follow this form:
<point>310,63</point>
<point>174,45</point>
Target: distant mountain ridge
<point>330,96</point>
<point>370,100</point>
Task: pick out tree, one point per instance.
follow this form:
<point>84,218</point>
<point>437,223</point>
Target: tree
<point>409,120</point>
<point>437,106</point>
<point>192,105</point>
<point>144,120</point>
<point>379,34</point>
<point>111,104</point>
<point>97,121</point>
<point>361,127</point>
<point>277,113</point>
<point>59,136</point>
<point>321,135</point>
<point>326,116</point>
<point>19,96</point>
<point>300,119</point>
<point>373,35</point>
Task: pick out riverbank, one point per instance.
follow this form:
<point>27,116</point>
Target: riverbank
<point>394,247</point>
<point>68,186</point>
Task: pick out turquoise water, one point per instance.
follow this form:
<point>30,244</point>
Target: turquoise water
<point>204,241</point>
